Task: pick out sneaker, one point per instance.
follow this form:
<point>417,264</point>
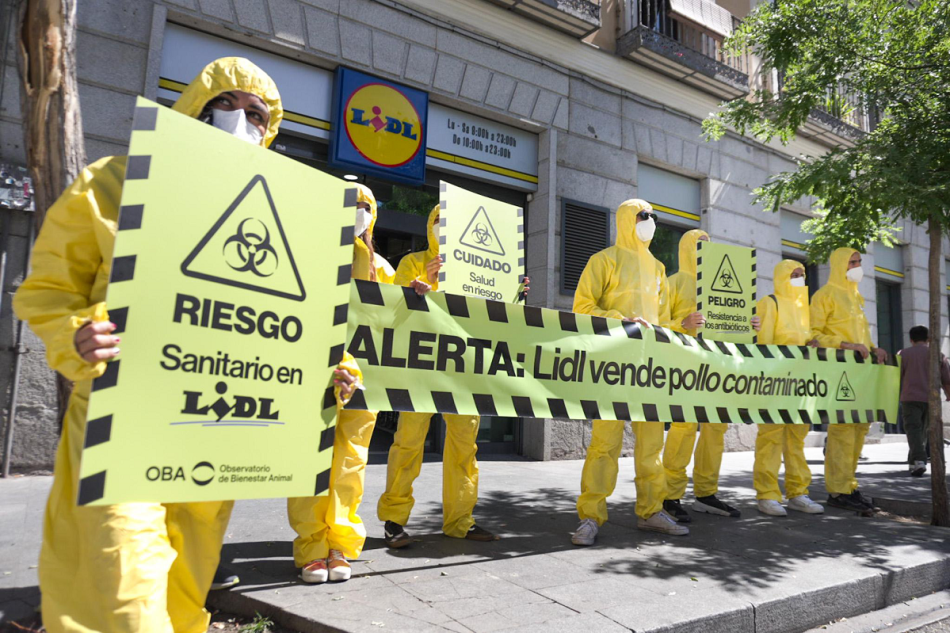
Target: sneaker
<point>771,507</point>
<point>340,570</point>
<point>712,505</point>
<point>663,523</point>
<point>802,503</point>
<point>314,572</point>
<point>865,501</point>
<point>675,509</point>
<point>482,535</point>
<point>224,578</point>
<point>394,535</point>
<point>918,469</point>
<point>586,533</point>
<point>847,502</point>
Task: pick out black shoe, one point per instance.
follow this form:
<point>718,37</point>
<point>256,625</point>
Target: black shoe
<point>676,510</point>
<point>224,578</point>
<point>476,533</point>
<point>865,501</point>
<point>395,536</point>
<point>848,502</point>
<point>712,505</point>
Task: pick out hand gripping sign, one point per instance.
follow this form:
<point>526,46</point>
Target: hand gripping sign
<point>229,286</point>
<point>482,243</point>
<point>453,354</point>
<point>725,291</point>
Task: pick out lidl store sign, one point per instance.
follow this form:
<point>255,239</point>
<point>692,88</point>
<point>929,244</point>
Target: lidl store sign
<point>379,127</point>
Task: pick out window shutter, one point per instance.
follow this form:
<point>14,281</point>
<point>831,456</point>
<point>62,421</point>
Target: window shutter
<point>585,230</point>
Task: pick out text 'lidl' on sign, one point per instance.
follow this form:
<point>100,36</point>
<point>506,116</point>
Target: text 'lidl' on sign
<point>379,127</point>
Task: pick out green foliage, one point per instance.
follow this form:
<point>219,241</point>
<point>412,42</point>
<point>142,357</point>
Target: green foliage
<point>259,624</point>
<point>893,57</point>
<point>415,201</point>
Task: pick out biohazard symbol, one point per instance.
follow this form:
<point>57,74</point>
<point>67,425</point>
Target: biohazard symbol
<point>726,279</point>
<point>845,391</point>
<point>481,235</point>
<point>247,248</point>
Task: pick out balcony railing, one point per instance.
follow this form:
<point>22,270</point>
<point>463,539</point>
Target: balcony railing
<point>844,112</point>
<point>576,17</point>
<point>689,49</point>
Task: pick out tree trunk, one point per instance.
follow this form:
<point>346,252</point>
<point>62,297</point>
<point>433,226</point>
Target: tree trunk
<point>49,103</point>
<point>938,472</point>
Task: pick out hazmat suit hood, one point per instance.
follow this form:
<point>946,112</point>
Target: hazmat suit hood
<point>784,314</point>
<point>839,269</point>
<point>433,251</point>
<point>782,280</point>
<point>627,224</point>
<point>688,250</point>
<point>837,309</point>
<point>228,74</point>
<point>361,253</point>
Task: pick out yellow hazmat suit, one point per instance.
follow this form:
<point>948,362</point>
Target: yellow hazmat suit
<point>331,521</point>
<point>139,567</point>
<point>682,435</point>
<point>785,321</point>
<point>459,466</point>
<point>623,281</point>
<point>837,316</point>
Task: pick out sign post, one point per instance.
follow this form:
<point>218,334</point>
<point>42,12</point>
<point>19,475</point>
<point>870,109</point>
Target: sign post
<point>482,243</point>
<point>229,286</point>
<point>725,291</point>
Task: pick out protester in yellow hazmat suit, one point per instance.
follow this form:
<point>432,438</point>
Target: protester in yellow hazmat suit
<point>625,282</point>
<point>784,322</point>
<point>329,530</point>
<point>459,466</point>
<point>139,567</point>
<point>682,436</point>
<point>838,321</point>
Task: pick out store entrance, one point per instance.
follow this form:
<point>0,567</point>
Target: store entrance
<point>401,229</point>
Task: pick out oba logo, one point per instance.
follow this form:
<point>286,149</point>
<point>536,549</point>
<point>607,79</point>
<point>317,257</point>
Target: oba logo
<point>383,125</point>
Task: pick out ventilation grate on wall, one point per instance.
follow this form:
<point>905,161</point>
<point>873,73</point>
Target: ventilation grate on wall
<point>585,229</point>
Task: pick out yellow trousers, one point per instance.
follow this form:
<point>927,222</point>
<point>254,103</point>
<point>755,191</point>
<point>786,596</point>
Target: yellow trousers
<point>679,450</point>
<point>459,471</point>
<point>599,477</point>
<point>131,567</point>
<point>773,442</point>
<point>845,442</point>
<point>331,521</point>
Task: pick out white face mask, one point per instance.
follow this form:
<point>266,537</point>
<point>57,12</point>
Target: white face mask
<point>798,282</point>
<point>363,219</point>
<point>435,232</point>
<point>855,274</point>
<point>235,123</point>
<point>646,229</point>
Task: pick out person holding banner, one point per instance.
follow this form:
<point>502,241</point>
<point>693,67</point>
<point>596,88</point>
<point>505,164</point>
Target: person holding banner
<point>838,321</point>
<point>138,567</point>
<point>625,281</point>
<point>682,435</point>
<point>459,467</point>
<point>784,322</point>
<point>329,530</point>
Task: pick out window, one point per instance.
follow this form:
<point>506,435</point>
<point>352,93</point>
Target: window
<point>666,246</point>
<point>585,230</point>
<point>890,329</point>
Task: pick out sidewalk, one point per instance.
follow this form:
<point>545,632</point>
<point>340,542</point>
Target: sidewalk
<point>737,575</point>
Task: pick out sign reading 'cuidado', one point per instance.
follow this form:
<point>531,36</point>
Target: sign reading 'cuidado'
<point>455,354</point>
<point>725,291</point>
<point>229,281</point>
<point>482,242</point>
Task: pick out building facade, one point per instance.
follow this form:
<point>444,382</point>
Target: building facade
<point>592,103</point>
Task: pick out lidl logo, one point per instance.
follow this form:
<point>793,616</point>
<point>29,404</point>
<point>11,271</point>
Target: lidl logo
<point>379,127</point>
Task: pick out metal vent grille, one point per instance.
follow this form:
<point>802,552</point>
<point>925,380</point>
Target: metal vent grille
<point>585,230</point>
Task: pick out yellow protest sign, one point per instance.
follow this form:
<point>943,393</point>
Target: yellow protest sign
<point>725,291</point>
<point>482,243</point>
<point>229,285</point>
<point>454,354</point>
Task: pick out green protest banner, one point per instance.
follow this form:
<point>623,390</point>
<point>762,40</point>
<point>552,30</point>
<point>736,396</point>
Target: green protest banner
<point>453,354</point>
<point>229,285</point>
<point>725,291</point>
<point>482,243</point>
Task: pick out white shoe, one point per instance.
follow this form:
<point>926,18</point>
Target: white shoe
<point>918,469</point>
<point>802,503</point>
<point>586,533</point>
<point>663,523</point>
<point>771,507</point>
<point>340,570</point>
<point>314,572</point>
